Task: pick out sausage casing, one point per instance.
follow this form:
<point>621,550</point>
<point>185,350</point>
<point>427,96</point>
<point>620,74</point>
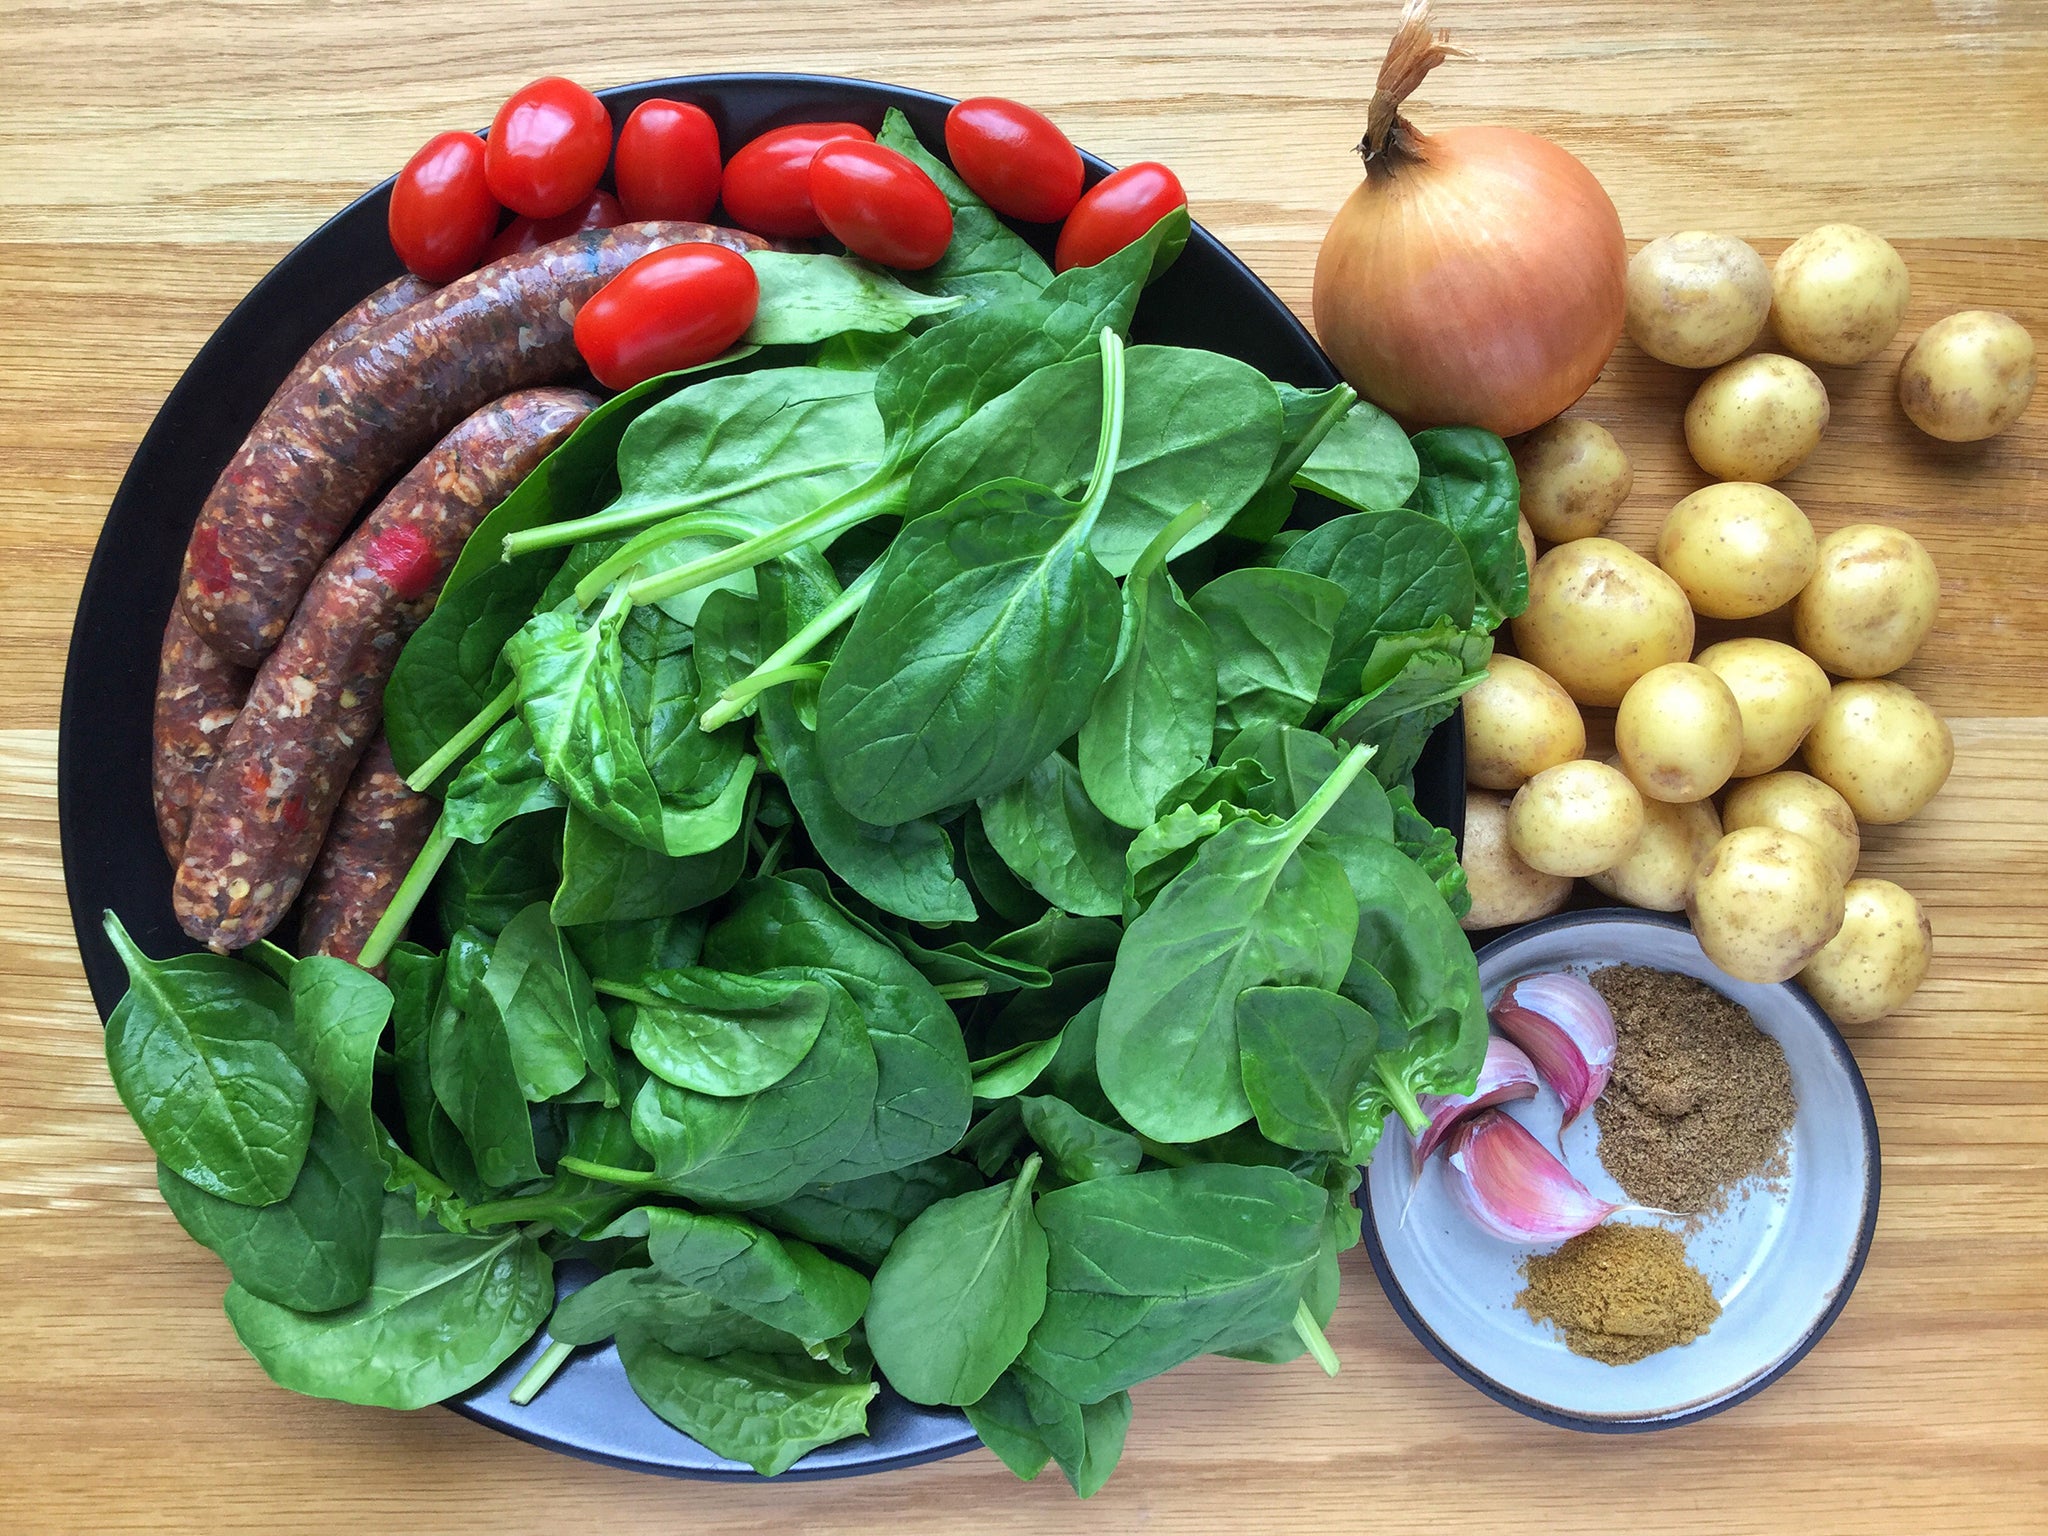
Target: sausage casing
<point>198,696</point>
<point>377,831</point>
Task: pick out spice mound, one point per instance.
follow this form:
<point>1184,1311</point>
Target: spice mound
<point>1701,1099</point>
<point>1619,1293</point>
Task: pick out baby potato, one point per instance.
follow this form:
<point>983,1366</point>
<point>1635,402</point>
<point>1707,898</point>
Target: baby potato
<point>1969,376</point>
<point>1574,475</point>
<point>1800,804</point>
<point>1504,889</point>
<point>1696,300</point>
<point>1871,601</point>
<point>1756,419</point>
<point>1575,819</point>
<point>1526,537</point>
<point>1658,873</point>
<point>1838,295</point>
<point>1678,732</point>
<point>1518,722</point>
<point>1737,549</point>
<point>1763,903</point>
<point>1880,749</point>
<point>1879,958</point>
<point>1780,692</point>
<point>1599,617</point>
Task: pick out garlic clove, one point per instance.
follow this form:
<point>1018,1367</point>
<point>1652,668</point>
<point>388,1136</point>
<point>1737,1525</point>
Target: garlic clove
<point>1506,1075</point>
<point>1515,1187</point>
<point>1568,1031</point>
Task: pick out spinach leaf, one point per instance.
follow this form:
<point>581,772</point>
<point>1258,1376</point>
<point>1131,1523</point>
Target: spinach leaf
<point>1303,1052</point>
<point>550,1014</point>
<point>1468,483</point>
<point>469,1060</point>
<point>200,1050</point>
<point>1079,1146</point>
<point>1273,630</point>
<point>502,783</point>
<point>338,1016</point>
<point>1059,939</point>
<point>1153,720</point>
<point>764,1410</point>
<point>1149,1270</point>
<point>680,1317</point>
<point>309,1251</point>
<point>863,1217</point>
<point>985,260</point>
<point>923,1097</point>
<point>993,881</point>
<point>1431,847</point>
<point>419,996</point>
<point>727,643</point>
<point>1026,1423</point>
<point>728,1035</point>
<point>624,952</point>
<point>1070,1076</point>
<point>942,378</point>
<point>1255,908</point>
<point>1400,570</point>
<point>1047,829</point>
<point>1410,686</point>
<point>808,298</point>
<point>765,1146</point>
<point>485,885</point>
<point>450,670</point>
<point>961,962</point>
<point>959,1293</point>
<point>1306,418</point>
<point>1365,461</point>
<point>1297,763</point>
<point>786,1284</point>
<point>442,1313</point>
<point>606,879</point>
<point>1009,1072</point>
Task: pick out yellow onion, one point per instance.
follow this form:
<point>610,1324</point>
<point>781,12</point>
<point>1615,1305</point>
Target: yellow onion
<point>1477,275</point>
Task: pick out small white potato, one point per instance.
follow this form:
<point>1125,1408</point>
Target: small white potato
<point>1658,874</point>
<point>1518,722</point>
<point>1879,958</point>
<point>1881,749</point>
<point>1756,419</point>
<point>1838,295</point>
<point>1504,889</point>
<point>1800,804</point>
<point>1780,691</point>
<point>1599,617</point>
<point>1575,819</point>
<point>1695,300</point>
<point>1737,549</point>
<point>1526,537</point>
<point>1678,733</point>
<point>1574,476</point>
<point>1969,376</point>
<point>1871,602</point>
<point>1763,903</point>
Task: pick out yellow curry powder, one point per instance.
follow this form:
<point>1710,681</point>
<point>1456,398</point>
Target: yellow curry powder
<point>1619,1293</point>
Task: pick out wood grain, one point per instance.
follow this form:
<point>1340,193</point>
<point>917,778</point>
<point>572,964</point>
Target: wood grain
<point>161,154</point>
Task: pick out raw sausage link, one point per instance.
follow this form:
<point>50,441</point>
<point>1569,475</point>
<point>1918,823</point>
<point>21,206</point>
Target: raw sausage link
<point>372,408</point>
<point>319,698</point>
<point>197,698</point>
<point>395,297</point>
<point>378,830</point>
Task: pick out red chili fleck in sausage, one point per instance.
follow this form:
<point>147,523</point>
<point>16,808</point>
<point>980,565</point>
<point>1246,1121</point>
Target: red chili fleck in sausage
<point>377,831</point>
<point>197,698</point>
<point>319,698</point>
<point>374,406</point>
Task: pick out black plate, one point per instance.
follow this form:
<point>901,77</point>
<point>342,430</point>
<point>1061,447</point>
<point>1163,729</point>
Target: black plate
<point>111,855</point>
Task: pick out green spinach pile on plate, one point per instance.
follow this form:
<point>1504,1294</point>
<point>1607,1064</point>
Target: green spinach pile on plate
<point>930,881</point>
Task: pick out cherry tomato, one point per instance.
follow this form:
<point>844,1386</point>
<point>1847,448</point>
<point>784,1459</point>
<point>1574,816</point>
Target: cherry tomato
<point>1115,211</point>
<point>1015,158</point>
<point>667,165</point>
<point>442,213</point>
<point>600,210</point>
<point>549,144</point>
<point>878,204</point>
<point>673,308</point>
<point>767,184</point>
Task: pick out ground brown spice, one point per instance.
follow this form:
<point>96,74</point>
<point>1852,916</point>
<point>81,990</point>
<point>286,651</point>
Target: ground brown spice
<point>1619,1293</point>
<point>1700,1100</point>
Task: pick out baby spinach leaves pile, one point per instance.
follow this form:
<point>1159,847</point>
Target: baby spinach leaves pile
<point>930,887</point>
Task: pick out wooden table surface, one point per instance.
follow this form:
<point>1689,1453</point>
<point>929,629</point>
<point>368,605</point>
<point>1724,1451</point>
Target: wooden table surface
<point>160,156</point>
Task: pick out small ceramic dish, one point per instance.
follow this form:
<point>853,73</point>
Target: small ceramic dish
<point>1782,1259</point>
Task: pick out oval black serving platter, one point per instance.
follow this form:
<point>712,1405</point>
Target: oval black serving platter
<point>111,855</point>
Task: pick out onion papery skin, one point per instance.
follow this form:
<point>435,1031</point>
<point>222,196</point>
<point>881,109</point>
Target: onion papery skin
<point>1477,276</point>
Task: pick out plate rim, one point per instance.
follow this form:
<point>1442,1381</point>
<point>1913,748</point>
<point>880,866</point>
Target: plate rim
<point>1477,1377</point>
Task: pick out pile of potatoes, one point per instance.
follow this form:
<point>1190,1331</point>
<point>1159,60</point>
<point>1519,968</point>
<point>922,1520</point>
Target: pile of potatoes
<point>1768,877</point>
